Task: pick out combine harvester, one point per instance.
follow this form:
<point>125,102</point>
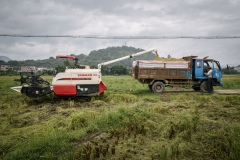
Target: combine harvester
<point>76,82</point>
<point>158,73</point>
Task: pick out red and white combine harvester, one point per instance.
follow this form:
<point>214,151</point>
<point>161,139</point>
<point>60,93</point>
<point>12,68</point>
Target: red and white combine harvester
<point>76,82</point>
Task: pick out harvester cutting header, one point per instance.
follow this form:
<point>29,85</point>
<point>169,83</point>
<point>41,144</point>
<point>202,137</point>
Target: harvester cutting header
<point>159,73</point>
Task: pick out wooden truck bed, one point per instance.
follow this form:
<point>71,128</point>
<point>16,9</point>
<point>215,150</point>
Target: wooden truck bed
<point>165,70</point>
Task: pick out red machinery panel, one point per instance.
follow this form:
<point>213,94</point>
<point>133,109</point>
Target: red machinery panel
<point>102,87</point>
<point>65,90</point>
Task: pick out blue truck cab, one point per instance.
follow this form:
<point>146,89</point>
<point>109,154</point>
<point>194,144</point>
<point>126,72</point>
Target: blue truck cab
<point>199,68</point>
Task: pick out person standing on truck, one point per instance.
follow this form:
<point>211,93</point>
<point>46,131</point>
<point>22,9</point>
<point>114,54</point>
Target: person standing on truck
<point>209,80</point>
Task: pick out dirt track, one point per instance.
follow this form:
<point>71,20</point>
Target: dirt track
<point>227,91</point>
<point>215,91</point>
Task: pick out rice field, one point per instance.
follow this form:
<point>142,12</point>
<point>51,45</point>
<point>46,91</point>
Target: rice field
<point>127,122</point>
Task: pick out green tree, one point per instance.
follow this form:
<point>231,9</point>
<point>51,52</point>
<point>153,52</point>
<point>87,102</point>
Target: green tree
<point>105,70</point>
<point>229,70</point>
<point>9,72</point>
<point>93,59</point>
<point>118,70</point>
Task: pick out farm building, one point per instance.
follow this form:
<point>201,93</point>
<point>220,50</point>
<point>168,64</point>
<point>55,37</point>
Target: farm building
<point>42,69</point>
<point>5,67</point>
<point>28,69</point>
<point>237,68</point>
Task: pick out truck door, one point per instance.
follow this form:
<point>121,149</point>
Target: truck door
<point>217,71</point>
<point>198,69</point>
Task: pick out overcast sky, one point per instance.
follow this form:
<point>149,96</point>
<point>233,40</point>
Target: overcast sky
<point>120,18</point>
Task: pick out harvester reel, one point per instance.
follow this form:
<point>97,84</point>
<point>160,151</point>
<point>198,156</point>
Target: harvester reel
<point>36,86</point>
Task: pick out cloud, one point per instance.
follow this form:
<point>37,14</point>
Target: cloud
<point>120,18</point>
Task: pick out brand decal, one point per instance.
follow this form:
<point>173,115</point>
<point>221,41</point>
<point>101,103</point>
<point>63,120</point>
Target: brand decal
<point>86,74</point>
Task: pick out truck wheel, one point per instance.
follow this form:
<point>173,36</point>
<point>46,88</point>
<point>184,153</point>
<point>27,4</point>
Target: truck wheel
<point>158,87</point>
<point>203,87</point>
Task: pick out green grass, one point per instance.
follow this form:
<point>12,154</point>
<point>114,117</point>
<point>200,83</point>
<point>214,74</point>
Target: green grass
<point>231,81</point>
<point>127,122</point>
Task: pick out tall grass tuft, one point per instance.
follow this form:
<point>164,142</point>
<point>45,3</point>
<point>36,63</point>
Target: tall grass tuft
<point>41,147</point>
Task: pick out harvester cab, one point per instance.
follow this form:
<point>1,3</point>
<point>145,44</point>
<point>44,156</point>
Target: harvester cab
<point>76,65</point>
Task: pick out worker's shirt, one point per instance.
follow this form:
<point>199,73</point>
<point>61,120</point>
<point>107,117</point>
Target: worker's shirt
<point>209,73</point>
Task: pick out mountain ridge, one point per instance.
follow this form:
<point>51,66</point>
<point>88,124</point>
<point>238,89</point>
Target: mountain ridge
<point>5,58</point>
<point>92,59</point>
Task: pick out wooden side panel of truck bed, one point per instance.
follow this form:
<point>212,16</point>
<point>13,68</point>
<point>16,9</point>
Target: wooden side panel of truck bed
<point>162,70</point>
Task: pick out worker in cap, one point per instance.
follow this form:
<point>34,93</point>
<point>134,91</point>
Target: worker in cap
<point>209,80</point>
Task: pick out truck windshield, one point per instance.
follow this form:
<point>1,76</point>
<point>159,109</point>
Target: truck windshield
<point>216,65</point>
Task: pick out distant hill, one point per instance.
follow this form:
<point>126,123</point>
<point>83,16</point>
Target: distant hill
<point>111,53</point>
<point>95,57</point>
<point>4,58</point>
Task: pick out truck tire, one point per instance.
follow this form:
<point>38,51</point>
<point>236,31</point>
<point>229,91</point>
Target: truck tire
<point>203,87</point>
<point>158,87</point>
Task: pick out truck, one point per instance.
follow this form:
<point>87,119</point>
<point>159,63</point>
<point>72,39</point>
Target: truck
<point>186,72</point>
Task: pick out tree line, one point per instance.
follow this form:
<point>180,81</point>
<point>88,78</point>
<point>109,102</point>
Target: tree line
<point>92,59</point>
